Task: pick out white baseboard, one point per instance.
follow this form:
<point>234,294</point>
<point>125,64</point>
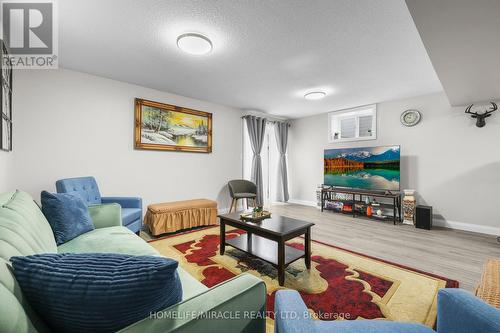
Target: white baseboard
<point>302,202</point>
<point>482,229</point>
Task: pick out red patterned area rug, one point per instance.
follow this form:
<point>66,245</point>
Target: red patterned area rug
<point>341,284</point>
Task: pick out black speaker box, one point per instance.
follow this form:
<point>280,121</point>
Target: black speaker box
<point>423,217</point>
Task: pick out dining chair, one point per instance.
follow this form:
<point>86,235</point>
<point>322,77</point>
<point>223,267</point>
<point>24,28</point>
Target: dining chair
<point>241,189</point>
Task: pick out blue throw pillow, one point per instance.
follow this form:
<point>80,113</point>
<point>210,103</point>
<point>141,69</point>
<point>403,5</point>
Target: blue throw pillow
<point>67,214</point>
<point>96,292</point>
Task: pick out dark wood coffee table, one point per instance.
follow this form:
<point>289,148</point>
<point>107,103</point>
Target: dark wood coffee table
<point>266,240</point>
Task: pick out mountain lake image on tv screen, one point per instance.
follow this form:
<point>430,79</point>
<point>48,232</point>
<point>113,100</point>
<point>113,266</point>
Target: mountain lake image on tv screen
<point>370,168</point>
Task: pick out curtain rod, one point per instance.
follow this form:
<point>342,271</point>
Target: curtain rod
<point>284,122</point>
<point>268,119</point>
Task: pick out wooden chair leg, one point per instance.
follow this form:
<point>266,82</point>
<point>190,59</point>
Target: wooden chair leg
<point>231,207</point>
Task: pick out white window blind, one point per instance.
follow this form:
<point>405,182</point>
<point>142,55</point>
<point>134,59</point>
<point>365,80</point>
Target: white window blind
<point>353,124</point>
<point>365,126</point>
<point>348,128</point>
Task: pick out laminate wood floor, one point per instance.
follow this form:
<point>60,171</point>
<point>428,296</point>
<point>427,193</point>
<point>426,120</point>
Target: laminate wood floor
<point>454,254</point>
<point>457,255</point>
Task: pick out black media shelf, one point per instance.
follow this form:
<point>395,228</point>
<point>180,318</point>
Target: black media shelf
<point>327,194</point>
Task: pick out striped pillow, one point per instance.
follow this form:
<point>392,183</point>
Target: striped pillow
<point>96,292</point>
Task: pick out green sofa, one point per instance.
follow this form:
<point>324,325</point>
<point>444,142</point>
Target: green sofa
<point>25,231</point>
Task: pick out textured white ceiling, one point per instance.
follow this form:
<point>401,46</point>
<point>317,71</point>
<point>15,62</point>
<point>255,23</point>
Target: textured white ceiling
<point>266,55</point>
<point>463,40</point>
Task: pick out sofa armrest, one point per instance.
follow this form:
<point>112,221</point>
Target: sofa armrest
<point>291,313</point>
<point>125,202</point>
<point>236,305</point>
<point>461,312</point>
<point>108,215</point>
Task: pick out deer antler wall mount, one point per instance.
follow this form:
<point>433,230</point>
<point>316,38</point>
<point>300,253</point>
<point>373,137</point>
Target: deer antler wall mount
<point>481,117</point>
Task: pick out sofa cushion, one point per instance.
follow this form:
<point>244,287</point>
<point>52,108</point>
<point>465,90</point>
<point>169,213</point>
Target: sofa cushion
<point>24,230</point>
<point>97,292</point>
<point>122,240</point>
<point>108,240</point>
<point>370,326</point>
<point>135,226</point>
<point>130,215</point>
<point>67,214</point>
<point>16,314</point>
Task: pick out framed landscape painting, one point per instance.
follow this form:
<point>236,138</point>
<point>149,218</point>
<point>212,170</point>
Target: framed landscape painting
<point>161,126</point>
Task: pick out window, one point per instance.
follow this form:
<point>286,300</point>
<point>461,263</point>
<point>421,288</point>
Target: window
<point>353,124</point>
<point>5,101</point>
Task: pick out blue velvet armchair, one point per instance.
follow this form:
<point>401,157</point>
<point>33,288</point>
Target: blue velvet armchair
<point>87,188</point>
<point>458,312</point>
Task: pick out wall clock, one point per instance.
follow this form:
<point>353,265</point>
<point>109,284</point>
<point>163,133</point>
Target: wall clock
<point>411,117</point>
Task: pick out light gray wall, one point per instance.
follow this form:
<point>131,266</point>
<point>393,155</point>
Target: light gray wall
<point>461,39</point>
<point>453,165</point>
<point>5,171</point>
<point>72,124</point>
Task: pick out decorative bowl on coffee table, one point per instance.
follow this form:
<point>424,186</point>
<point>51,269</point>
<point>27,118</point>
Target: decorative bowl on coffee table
<point>256,216</point>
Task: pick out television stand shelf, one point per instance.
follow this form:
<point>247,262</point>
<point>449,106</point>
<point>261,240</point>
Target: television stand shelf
<point>395,196</point>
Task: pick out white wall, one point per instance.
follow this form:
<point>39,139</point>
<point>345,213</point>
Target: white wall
<point>454,166</point>
<point>72,124</point>
<point>5,171</point>
<point>452,45</point>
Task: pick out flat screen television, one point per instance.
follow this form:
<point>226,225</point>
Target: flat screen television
<point>369,168</point>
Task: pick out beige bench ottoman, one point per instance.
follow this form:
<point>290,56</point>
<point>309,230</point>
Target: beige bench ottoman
<point>174,216</point>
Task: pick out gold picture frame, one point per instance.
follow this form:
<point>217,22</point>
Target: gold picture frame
<point>160,126</point>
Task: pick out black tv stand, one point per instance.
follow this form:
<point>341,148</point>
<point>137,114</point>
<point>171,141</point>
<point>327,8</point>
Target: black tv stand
<point>328,192</point>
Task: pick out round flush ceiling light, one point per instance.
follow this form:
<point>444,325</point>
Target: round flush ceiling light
<point>315,95</point>
<point>194,43</point>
